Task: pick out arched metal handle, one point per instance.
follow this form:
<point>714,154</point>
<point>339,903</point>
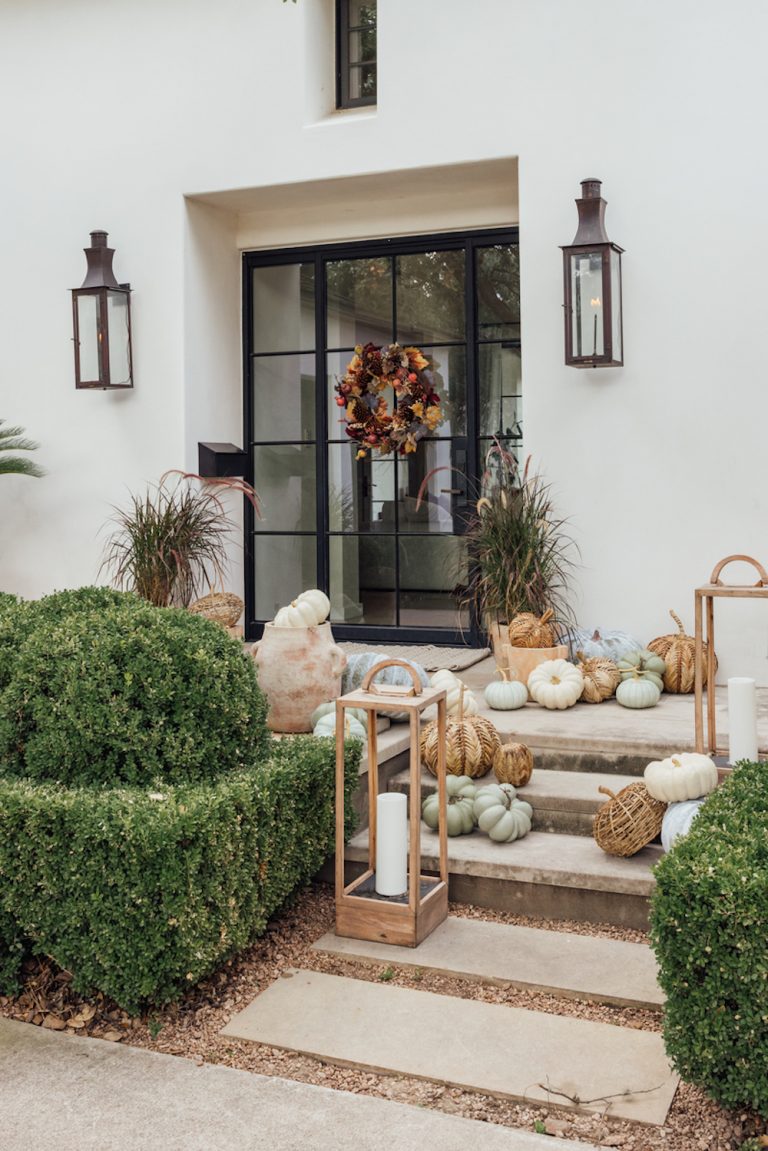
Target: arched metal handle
<point>762,582</point>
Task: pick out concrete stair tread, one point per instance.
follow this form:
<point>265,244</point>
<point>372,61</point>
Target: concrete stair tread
<point>558,962</point>
<point>499,1050</point>
<point>570,861</point>
<point>553,790</point>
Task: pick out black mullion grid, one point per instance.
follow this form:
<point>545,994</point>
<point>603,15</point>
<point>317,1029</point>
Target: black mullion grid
<point>393,273</point>
<point>249,519</point>
<point>321,425</point>
<point>473,393</point>
<point>343,62</point>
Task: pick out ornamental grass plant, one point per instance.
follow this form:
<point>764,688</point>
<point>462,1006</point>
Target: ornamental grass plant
<point>170,544</point>
<point>521,557</point>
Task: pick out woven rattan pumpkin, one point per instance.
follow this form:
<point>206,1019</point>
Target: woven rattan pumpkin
<point>513,763</point>
<point>463,750</point>
<point>222,607</point>
<point>529,630</point>
<point>601,678</point>
<point>679,654</point>
<point>629,821</point>
<point>488,736</point>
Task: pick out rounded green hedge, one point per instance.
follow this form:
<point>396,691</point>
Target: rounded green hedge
<point>709,923</point>
<point>105,689</point>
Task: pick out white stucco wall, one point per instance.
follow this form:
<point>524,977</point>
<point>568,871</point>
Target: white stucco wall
<point>191,130</point>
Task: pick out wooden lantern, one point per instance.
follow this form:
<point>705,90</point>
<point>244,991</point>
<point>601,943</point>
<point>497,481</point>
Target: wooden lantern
<point>361,913</point>
<point>705,631</point>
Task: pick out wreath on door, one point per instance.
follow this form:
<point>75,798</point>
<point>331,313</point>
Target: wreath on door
<point>370,421</point>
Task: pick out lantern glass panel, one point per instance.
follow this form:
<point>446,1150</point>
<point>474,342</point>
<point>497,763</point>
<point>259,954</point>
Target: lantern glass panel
<point>119,339</point>
<point>617,349</point>
<point>587,298</point>
<point>89,337</point>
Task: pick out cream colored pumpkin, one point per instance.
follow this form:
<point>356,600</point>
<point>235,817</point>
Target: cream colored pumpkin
<point>296,615</point>
<point>688,775</point>
<point>446,681</point>
<point>555,684</point>
<point>318,601</point>
<point>506,694</point>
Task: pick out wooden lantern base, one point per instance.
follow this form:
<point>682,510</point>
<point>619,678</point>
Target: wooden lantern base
<point>362,914</point>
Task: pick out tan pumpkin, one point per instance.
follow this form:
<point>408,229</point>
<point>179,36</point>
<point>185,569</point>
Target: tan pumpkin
<point>601,678</point>
<point>513,763</point>
<point>463,749</point>
<point>529,630</point>
<point>488,736</point>
<point>630,820</point>
<point>679,654</point>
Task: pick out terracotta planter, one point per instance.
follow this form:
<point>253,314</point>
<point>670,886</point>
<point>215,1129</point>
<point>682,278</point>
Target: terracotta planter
<point>520,661</point>
<point>299,668</point>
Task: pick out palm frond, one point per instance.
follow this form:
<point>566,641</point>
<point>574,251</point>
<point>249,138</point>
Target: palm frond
<point>12,439</point>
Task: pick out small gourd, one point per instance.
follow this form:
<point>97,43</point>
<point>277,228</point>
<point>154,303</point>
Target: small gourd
<point>358,713</point>
<point>513,763</point>
<point>318,601</point>
<point>679,654</point>
<point>638,692</point>
<point>296,615</point>
<point>353,729</point>
<point>555,684</point>
<point>460,816</point>
<point>500,814</point>
<point>506,694</point>
<point>601,678</point>
<point>530,630</point>
<point>688,775</point>
<point>645,664</point>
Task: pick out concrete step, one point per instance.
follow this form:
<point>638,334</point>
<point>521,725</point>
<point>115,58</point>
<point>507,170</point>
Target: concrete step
<point>559,963</point>
<point>562,801</point>
<point>550,876</point>
<point>488,1047</point>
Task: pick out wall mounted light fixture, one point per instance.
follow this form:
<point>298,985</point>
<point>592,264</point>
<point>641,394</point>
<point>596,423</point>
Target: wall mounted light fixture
<point>592,278</point>
<point>101,311</point>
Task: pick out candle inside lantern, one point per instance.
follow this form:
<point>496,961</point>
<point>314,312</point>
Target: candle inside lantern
<point>391,844</point>
<point>595,302</point>
<point>742,719</point>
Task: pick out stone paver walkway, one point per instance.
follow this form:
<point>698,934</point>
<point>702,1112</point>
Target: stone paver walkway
<point>572,966</point>
<point>488,1047</point>
<point>87,1095</point>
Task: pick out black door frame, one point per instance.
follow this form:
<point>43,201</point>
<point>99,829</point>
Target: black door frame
<point>319,254</point>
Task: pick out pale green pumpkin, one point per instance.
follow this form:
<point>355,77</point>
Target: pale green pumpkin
<point>353,729</point>
<point>358,713</point>
<point>639,691</point>
<point>643,663</point>
<point>500,814</point>
<point>460,818</point>
<point>506,694</point>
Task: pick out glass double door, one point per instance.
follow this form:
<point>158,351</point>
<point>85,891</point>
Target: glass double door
<point>384,535</point>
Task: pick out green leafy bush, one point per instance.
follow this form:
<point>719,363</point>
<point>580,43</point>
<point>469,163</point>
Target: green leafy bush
<point>142,893</point>
<point>708,926</point>
<point>103,688</point>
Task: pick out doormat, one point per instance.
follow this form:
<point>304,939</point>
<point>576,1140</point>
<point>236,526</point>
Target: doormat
<point>429,655</point>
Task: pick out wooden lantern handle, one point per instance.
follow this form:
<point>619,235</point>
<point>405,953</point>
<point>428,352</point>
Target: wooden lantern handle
<point>715,577</point>
<point>369,685</point>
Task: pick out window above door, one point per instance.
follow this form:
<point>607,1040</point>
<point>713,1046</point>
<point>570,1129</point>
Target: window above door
<point>355,53</point>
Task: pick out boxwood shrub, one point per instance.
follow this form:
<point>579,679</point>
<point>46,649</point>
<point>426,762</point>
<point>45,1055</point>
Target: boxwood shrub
<point>140,893</point>
<point>104,688</point>
<point>709,925</point>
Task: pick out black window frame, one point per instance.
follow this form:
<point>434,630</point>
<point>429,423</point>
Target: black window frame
<point>344,65</point>
<point>477,442</point>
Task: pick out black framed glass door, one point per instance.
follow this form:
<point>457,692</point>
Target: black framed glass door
<point>384,535</point>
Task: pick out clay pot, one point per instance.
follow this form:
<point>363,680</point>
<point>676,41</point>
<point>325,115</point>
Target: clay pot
<point>299,668</point>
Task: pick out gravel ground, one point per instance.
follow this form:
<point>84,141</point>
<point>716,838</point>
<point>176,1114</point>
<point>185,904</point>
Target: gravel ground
<point>192,1029</point>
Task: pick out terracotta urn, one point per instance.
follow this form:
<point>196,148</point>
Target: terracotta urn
<point>299,668</point>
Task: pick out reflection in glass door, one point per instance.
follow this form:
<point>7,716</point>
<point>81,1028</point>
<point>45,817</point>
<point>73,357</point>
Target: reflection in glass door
<point>383,535</point>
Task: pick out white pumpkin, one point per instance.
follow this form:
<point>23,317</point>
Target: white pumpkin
<point>688,775</point>
<point>556,683</point>
<point>358,713</point>
<point>296,615</point>
<point>443,679</point>
<point>506,694</point>
<point>446,681</point>
<point>318,601</point>
<point>353,729</point>
<point>677,821</point>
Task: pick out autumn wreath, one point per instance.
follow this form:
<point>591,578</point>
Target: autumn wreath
<point>370,422</point>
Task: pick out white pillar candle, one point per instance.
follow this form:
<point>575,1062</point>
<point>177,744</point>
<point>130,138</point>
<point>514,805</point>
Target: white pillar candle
<point>742,719</point>
<point>391,844</point>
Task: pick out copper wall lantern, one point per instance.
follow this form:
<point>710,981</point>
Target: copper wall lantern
<point>592,277</point>
<point>101,311</point>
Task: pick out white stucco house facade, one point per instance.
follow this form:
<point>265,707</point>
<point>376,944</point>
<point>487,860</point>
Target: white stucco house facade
<point>199,134</point>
